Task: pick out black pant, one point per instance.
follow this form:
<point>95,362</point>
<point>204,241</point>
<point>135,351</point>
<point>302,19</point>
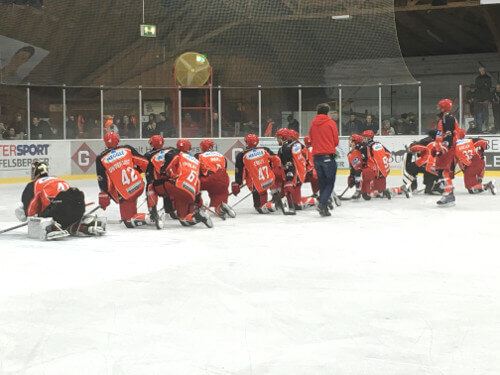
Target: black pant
<point>66,208</point>
<point>496,116</point>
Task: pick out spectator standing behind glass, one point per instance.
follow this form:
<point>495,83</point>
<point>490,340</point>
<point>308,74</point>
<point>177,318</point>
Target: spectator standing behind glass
<point>324,140</point>
<point>165,125</point>
<point>387,129</point>
<point>18,124</point>
<point>40,129</point>
<point>3,131</point>
<point>269,127</point>
<point>335,117</point>
<point>71,127</point>
<point>292,123</point>
<point>470,99</point>
<point>189,127</point>
<point>483,87</point>
<point>370,124</point>
<point>412,123</point>
<point>495,99</point>
<point>125,127</point>
<point>353,126</point>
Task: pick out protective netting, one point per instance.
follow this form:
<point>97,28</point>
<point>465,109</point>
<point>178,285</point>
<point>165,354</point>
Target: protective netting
<point>248,42</point>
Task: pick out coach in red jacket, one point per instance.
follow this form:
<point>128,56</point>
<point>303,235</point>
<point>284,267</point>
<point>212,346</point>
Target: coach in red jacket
<point>324,140</point>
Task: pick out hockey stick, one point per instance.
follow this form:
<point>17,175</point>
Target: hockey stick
<point>341,196</point>
<point>345,190</point>
<point>245,197</point>
<point>14,227</point>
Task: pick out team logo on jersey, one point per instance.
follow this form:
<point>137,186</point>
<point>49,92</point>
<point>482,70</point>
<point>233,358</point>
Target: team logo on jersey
<point>212,153</point>
<point>254,154</point>
<point>115,155</point>
<point>377,146</point>
<point>191,158</point>
<point>296,148</point>
<point>462,141</point>
<point>160,156</point>
<point>356,161</point>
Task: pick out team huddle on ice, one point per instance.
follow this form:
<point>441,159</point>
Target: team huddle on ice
<point>53,209</point>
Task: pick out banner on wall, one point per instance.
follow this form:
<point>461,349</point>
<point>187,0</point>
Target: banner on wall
<point>16,157</point>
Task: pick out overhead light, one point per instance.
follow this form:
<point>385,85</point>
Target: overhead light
<point>342,17</point>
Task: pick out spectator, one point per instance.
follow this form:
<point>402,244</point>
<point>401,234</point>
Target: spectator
<point>352,126</point>
<point>40,129</point>
<point>335,117</point>
<point>483,85</point>
<point>165,125</point>
<point>470,99</point>
<point>126,128</point>
<point>292,123</point>
<point>150,129</point>
<point>495,99</point>
<point>324,140</point>
<point>3,130</point>
<point>10,134</point>
<point>190,127</point>
<point>473,129</point>
<point>412,122</point>
<point>71,127</point>
<point>387,129</point>
<point>370,124</point>
<point>18,124</point>
<point>269,127</point>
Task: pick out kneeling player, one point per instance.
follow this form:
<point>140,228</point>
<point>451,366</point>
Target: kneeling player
<point>375,169</point>
<point>253,166</point>
<point>214,178</point>
<point>179,174</point>
<point>472,163</point>
<point>59,207</point>
<point>118,174</point>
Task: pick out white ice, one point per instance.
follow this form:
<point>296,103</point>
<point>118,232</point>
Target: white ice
<point>381,287</point>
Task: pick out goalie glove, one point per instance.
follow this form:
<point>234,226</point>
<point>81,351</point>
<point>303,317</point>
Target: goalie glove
<point>20,214</point>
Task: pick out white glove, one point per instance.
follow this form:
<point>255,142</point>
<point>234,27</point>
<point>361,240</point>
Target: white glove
<point>20,214</point>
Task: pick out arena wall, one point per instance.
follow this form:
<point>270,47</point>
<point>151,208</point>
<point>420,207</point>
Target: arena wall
<point>76,158</point>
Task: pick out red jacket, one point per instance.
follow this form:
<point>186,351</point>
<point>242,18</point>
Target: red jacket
<point>324,135</point>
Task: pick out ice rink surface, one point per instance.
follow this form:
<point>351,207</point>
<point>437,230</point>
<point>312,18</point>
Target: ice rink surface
<point>380,287</point>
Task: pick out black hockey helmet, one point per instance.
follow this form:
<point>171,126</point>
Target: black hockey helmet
<point>39,169</point>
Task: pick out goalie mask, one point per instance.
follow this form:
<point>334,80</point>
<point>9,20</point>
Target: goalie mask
<point>39,169</point>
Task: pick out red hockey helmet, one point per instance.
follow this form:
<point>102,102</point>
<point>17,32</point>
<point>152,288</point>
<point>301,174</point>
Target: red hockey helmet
<point>307,141</point>
<point>156,141</point>
<point>356,138</point>
<point>368,134</point>
<point>461,133</point>
<point>206,145</point>
<point>293,134</point>
<point>184,145</point>
<point>445,105</point>
<point>281,132</point>
<point>111,139</point>
<point>251,140</point>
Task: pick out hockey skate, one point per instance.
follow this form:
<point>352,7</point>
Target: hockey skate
<point>202,216</point>
<point>405,191</point>
<point>446,200</point>
<point>267,208</point>
<point>288,209</point>
<point>228,210</point>
<point>156,218</point>
<point>386,194</point>
<point>356,195</point>
<point>491,187</point>
<point>91,225</point>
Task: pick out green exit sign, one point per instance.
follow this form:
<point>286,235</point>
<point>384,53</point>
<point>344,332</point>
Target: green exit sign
<point>148,30</point>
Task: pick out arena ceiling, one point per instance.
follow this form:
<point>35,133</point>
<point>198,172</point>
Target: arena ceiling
<point>97,39</point>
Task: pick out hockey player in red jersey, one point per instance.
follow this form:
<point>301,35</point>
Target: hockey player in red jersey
<point>178,177</point>
<point>119,171</point>
<point>295,170</point>
<point>375,169</point>
<point>311,175</point>
<point>444,151</point>
<point>62,205</point>
<point>469,156</point>
<point>214,178</point>
<point>419,159</point>
<point>255,166</point>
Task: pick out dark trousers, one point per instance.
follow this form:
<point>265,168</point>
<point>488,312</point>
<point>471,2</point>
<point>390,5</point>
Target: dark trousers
<point>66,208</point>
<point>482,115</point>
<point>496,116</point>
<point>326,168</point>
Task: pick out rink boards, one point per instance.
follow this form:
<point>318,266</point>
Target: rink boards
<point>16,156</point>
